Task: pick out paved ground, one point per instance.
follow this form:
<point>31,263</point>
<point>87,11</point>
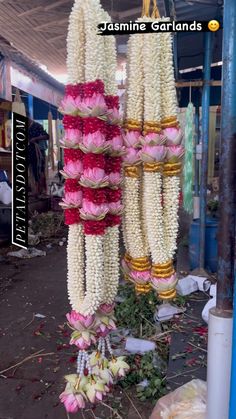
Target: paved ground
<point>30,390</point>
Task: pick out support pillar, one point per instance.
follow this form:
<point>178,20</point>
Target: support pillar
<point>218,373</point>
<point>205,140</point>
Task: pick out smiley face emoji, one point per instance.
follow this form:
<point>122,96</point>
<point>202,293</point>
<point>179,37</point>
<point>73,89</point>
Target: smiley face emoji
<point>213,25</point>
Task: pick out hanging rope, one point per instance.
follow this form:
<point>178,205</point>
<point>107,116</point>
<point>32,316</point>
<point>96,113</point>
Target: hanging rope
<point>155,11</point>
<point>146,8</point>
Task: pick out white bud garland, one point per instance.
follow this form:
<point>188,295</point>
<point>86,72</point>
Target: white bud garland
<point>154,217</point>
<point>132,218</point>
<point>135,91</point>
<point>75,44</point>
<point>171,205</point>
<point>111,264</point>
<point>168,90</point>
<point>75,265</point>
<point>94,274</point>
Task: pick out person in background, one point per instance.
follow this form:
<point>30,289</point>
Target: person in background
<point>38,144</point>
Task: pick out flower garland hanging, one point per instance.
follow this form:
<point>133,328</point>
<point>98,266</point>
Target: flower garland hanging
<point>155,213</point>
<point>92,152</point>
<point>136,264</point>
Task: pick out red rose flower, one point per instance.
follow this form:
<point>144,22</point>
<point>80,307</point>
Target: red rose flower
<point>71,185</point>
<point>113,195</point>
<point>112,220</point>
<point>95,228</point>
<point>92,160</point>
<point>74,90</point>
<point>97,196</point>
<point>72,155</point>
<point>113,164</point>
<point>93,124</point>
<point>93,87</point>
<point>72,122</point>
<point>112,102</point>
<point>72,216</point>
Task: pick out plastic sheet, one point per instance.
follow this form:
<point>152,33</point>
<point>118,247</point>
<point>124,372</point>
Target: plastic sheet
<point>187,402</point>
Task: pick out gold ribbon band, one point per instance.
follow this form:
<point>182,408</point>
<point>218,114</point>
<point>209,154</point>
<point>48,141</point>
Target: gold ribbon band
<point>162,275</point>
<point>132,171</point>
<point>142,288</point>
<point>168,295</point>
<point>172,173</point>
<point>165,265</point>
<point>170,122</point>
<point>153,167</point>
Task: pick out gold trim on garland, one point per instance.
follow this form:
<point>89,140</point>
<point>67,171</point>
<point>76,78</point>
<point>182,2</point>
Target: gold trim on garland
<point>153,167</point>
<point>132,171</point>
<point>167,295</point>
<point>142,288</point>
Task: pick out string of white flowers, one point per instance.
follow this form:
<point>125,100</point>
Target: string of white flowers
<point>134,99</point>
<point>94,274</point>
<point>111,264</point>
<point>151,69</point>
<point>75,265</point>
<point>171,185</point>
<point>168,90</point>
<point>154,217</point>
<point>143,217</point>
<point>110,60</point>
<point>132,218</point>
<point>94,49</point>
<point>75,45</point>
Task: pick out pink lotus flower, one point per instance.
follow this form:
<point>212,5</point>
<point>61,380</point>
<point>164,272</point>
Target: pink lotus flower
<point>151,154</point>
<point>107,308</point>
<point>83,340</point>
<point>94,178</point>
<point>73,136</point>
<point>115,207</point>
<point>117,143</point>
<point>174,135</point>
<point>174,153</point>
<point>94,105</point>
<point>104,325</point>
<point>94,140</point>
<point>73,198</point>
<point>115,178</point>
<point>72,402</point>
<point>89,208</point>
<point>164,284</point>
<point>68,106</point>
<point>131,156</point>
<point>73,169</point>
<point>153,139</point>
<point>78,321</point>
<point>114,115</point>
<point>140,277</point>
<point>132,138</point>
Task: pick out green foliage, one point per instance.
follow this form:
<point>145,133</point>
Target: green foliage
<point>136,310</point>
<point>144,368</point>
<point>48,224</point>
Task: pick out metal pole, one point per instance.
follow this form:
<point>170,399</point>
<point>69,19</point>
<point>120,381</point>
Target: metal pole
<point>227,169</point>
<point>232,402</point>
<point>205,139</point>
<point>31,106</point>
<point>197,135</point>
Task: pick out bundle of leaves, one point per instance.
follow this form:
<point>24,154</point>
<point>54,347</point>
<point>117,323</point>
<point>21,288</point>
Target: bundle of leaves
<point>147,375</point>
<point>136,311</point>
